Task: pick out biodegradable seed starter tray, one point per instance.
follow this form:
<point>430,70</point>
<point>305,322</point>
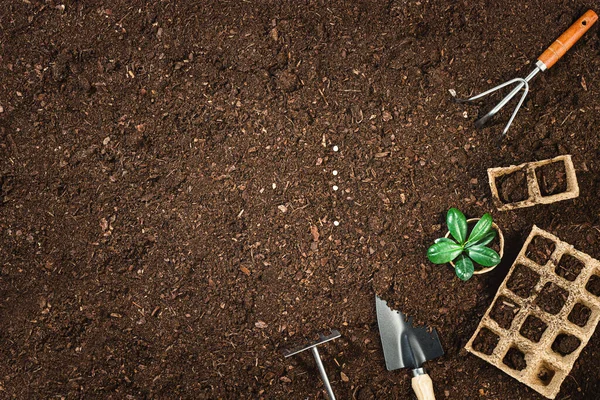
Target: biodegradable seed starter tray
<point>534,193</point>
<point>543,315</point>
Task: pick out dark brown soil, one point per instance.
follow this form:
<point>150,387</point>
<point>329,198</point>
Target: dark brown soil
<point>580,314</point>
<point>486,341</point>
<point>552,178</point>
<point>166,202</point>
<point>533,328</point>
<point>593,285</point>
<point>569,267</point>
<point>494,245</point>
<point>515,359</point>
<point>565,344</point>
<point>504,311</point>
<point>552,298</point>
<point>522,281</point>
<point>540,249</point>
<point>513,187</point>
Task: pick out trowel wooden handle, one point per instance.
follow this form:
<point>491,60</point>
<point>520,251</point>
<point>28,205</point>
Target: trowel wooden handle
<point>568,39</point>
<point>423,387</point>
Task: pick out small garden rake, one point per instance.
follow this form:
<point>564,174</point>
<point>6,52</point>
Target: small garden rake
<point>544,62</point>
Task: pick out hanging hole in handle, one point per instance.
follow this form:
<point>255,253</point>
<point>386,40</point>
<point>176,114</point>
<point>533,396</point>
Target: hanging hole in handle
<point>584,23</point>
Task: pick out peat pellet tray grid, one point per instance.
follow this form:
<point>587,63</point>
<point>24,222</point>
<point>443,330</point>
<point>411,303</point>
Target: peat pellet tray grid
<point>542,365</point>
<point>534,192</point>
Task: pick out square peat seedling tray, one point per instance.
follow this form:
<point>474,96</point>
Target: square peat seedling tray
<point>543,315</point>
<point>539,182</point>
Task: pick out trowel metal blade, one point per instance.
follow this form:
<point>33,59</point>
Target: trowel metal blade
<point>404,346</point>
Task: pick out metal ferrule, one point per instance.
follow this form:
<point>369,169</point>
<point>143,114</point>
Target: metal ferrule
<point>541,65</point>
<point>419,371</point>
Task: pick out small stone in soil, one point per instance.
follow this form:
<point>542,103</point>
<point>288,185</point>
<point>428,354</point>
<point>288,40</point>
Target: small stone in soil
<point>261,324</point>
<point>335,148</point>
<point>334,172</point>
<point>336,223</point>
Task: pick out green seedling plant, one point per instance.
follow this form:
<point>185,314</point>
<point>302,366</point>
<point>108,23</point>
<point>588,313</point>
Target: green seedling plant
<point>465,250</point>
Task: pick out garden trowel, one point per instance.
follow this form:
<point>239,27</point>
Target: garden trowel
<point>405,346</point>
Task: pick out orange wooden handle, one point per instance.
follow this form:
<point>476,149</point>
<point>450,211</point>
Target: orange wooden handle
<point>568,39</point>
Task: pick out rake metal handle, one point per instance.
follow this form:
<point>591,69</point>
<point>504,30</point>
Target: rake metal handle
<point>324,377</point>
<point>568,39</point>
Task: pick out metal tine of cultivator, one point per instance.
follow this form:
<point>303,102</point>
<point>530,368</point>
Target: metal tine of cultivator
<point>315,352</point>
<point>481,121</point>
<point>522,83</point>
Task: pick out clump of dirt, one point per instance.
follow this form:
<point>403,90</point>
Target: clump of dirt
<point>512,187</point>
<point>533,328</point>
<point>486,341</point>
<point>565,344</point>
<point>580,314</point>
<point>540,249</point>
<point>552,298</point>
<point>504,311</point>
<point>365,394</point>
<point>515,359</point>
<point>523,281</point>
<point>552,178</point>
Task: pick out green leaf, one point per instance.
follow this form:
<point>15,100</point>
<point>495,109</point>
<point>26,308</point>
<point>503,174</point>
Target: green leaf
<point>444,239</point>
<point>457,225</point>
<point>443,252</point>
<point>483,256</point>
<point>482,227</point>
<point>485,239</point>
<point>464,268</point>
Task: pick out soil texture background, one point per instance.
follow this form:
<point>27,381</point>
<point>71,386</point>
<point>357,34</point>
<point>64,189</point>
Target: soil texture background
<point>167,199</point>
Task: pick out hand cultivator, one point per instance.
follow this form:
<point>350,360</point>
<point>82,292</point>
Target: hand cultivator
<point>544,62</point>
